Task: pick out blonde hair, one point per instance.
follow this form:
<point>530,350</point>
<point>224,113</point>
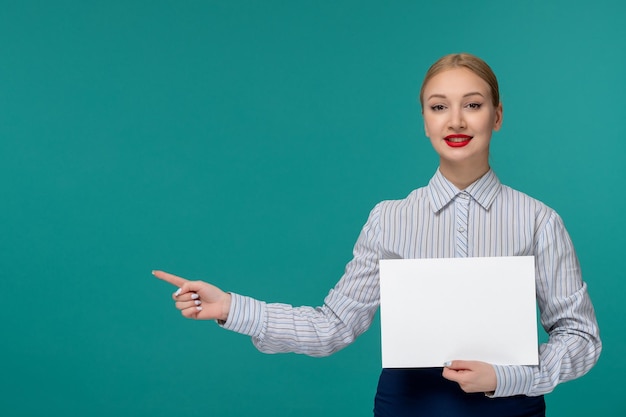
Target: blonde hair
<point>464,60</point>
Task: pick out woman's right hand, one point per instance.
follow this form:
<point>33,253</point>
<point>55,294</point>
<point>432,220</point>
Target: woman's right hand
<point>197,299</point>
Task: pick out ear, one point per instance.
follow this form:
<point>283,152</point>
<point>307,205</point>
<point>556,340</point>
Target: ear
<point>498,122</point>
<point>425,127</point>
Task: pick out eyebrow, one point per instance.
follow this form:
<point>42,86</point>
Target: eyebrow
<point>473,93</point>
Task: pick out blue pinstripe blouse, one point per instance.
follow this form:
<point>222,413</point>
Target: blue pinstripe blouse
<point>500,222</point>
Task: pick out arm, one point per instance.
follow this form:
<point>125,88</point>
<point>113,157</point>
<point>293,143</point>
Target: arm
<point>347,311</point>
<point>566,314</point>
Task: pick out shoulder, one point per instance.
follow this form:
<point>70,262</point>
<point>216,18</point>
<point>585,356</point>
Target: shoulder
<point>513,194</point>
<point>520,201</point>
<point>394,213</point>
<point>416,197</point>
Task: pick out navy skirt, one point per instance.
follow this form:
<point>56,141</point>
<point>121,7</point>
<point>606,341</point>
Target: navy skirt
<point>425,392</point>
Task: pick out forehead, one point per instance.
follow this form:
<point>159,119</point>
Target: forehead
<point>456,82</point>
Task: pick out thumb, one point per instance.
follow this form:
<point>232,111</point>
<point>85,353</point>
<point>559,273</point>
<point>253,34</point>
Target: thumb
<point>209,293</point>
<point>457,365</point>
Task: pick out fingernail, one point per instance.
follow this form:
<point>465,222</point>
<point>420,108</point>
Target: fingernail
<point>194,296</point>
<point>198,302</point>
<point>177,293</point>
<point>447,363</point>
<point>199,308</point>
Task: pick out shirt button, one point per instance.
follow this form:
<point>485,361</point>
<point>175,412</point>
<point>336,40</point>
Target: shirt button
<point>461,229</point>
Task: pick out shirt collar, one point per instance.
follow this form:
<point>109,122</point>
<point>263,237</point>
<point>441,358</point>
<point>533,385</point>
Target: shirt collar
<point>484,190</point>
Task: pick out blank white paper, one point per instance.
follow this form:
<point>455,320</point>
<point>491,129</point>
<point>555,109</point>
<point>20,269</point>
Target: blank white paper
<point>436,310</point>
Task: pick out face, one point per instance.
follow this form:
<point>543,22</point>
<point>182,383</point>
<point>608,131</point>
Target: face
<point>459,118</point>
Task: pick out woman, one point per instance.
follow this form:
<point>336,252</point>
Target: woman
<point>464,211</point>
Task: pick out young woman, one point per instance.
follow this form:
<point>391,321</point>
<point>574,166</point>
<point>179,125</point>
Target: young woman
<point>464,211</point>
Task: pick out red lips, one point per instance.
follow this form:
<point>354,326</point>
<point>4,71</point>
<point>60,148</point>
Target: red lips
<point>457,140</point>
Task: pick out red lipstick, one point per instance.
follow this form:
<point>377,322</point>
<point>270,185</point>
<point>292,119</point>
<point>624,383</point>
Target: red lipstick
<point>457,140</point>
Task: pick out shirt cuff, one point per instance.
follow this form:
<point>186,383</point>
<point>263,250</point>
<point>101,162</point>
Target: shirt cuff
<point>246,315</point>
<point>513,380</point>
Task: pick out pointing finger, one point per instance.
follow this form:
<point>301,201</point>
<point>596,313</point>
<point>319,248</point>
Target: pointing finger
<point>172,279</point>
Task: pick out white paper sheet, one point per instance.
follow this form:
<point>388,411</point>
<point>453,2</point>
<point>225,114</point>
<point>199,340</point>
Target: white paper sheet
<point>436,310</point>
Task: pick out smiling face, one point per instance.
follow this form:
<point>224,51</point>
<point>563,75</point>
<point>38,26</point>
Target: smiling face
<point>459,118</point>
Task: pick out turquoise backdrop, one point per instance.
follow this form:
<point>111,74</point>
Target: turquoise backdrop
<point>244,143</point>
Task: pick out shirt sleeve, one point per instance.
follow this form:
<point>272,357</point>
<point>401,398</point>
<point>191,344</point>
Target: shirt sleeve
<point>348,309</point>
<point>567,315</point>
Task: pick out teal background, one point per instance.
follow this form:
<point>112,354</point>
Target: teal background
<point>244,143</point>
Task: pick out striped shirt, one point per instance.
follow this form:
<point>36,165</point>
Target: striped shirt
<point>440,221</point>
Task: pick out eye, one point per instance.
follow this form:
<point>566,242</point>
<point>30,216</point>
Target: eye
<point>474,106</point>
<point>438,107</point>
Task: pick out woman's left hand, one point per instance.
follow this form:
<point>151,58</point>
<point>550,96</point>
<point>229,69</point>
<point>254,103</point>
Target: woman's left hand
<point>472,376</point>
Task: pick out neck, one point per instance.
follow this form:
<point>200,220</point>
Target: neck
<point>463,176</point>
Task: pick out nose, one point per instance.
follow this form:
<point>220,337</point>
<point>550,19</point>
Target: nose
<point>456,121</point>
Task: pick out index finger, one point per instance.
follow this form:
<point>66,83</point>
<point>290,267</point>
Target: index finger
<point>172,279</point>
